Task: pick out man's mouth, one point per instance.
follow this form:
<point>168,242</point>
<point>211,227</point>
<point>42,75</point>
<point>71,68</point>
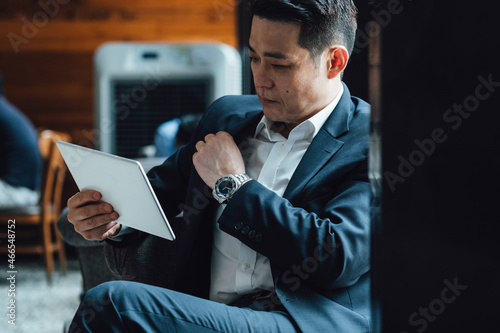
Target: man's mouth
<point>264,100</point>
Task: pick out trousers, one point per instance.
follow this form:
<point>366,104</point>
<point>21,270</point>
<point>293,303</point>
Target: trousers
<point>124,306</point>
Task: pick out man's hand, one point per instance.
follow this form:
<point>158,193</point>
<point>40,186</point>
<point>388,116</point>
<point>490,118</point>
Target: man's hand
<point>92,219</point>
<point>216,157</point>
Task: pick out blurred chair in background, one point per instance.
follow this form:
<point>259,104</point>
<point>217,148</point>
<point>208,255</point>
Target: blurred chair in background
<point>42,216</point>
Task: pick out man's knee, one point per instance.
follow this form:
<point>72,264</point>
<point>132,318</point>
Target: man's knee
<point>99,300</point>
<point>99,307</point>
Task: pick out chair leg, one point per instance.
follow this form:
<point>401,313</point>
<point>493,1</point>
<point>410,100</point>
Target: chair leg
<point>48,249</point>
<point>60,249</point>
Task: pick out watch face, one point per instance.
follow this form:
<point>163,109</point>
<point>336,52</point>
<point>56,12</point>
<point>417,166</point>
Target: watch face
<point>226,187</point>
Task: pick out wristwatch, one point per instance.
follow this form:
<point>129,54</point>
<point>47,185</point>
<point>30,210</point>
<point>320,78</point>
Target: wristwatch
<point>227,185</point>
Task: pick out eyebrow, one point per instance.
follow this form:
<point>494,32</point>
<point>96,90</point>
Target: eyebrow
<point>277,55</point>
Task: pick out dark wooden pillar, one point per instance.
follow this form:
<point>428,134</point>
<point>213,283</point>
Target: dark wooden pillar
<point>435,258</point>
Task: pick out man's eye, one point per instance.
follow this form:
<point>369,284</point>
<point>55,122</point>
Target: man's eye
<point>280,66</point>
<point>253,59</point>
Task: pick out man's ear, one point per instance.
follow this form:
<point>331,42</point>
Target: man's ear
<point>337,60</point>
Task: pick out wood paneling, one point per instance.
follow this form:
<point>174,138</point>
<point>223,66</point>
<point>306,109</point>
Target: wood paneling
<point>81,25</point>
<point>47,47</point>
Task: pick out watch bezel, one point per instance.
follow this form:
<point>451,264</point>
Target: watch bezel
<point>236,180</point>
<point>219,196</point>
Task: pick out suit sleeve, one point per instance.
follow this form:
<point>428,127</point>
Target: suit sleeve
<point>323,240</point>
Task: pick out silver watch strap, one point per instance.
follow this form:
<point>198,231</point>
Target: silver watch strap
<point>241,177</point>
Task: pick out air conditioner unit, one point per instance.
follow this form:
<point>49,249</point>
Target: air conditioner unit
<point>141,85</point>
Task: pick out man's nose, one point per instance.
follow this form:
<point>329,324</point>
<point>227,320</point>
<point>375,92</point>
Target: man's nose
<point>262,78</point>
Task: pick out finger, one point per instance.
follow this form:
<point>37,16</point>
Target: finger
<point>199,145</point>
<point>98,233</point>
<point>84,197</point>
<point>225,138</point>
<point>209,137</point>
<point>223,133</point>
<point>95,222</point>
<point>112,229</point>
<point>90,210</point>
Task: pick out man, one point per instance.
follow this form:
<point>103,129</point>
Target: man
<point>274,195</point>
<point>21,167</point>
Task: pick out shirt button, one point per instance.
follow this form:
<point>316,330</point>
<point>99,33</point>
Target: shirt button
<point>282,147</point>
<point>245,266</point>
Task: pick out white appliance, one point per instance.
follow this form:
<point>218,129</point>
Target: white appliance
<point>141,85</point>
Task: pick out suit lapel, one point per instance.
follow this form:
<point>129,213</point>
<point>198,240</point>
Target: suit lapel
<point>317,155</point>
<point>242,127</point>
<point>323,147</point>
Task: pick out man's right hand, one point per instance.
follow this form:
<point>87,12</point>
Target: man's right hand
<point>92,218</point>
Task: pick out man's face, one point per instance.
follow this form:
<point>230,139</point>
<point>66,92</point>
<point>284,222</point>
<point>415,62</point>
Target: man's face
<point>289,85</point>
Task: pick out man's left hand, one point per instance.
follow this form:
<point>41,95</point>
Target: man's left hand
<point>216,157</point>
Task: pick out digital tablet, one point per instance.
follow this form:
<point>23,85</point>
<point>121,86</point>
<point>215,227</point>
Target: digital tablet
<point>122,183</point>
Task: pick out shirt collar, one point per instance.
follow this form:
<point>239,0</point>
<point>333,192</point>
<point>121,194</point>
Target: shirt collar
<point>309,127</point>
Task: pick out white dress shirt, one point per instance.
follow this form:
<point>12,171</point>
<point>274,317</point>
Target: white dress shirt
<point>271,159</point>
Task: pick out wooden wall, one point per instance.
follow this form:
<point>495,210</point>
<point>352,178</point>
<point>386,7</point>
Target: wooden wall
<point>47,46</point>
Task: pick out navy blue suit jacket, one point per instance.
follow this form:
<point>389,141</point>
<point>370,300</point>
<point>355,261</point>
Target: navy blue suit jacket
<point>317,236</point>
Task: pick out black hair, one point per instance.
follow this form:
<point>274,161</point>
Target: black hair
<point>323,22</point>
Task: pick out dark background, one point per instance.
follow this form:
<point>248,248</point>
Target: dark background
<point>440,222</point>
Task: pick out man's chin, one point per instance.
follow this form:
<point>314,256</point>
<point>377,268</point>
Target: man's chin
<point>271,113</point>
